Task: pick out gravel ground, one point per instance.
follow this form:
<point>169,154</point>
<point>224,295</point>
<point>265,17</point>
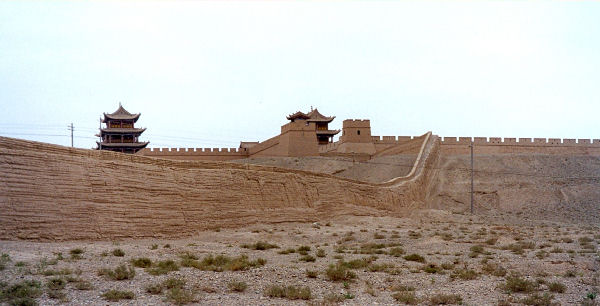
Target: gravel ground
<point>449,243</point>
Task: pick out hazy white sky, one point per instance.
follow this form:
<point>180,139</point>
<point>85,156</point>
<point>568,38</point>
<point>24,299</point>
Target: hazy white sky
<point>212,73</point>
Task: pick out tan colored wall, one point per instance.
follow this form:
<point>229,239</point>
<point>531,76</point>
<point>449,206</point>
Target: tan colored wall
<point>50,192</point>
<point>299,139</point>
<point>350,129</point>
<point>217,154</point>
<point>497,145</point>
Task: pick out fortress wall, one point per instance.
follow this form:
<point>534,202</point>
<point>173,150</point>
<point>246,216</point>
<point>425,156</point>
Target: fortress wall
<point>50,192</point>
<point>497,145</point>
<point>219,154</point>
<point>268,147</point>
<point>383,143</point>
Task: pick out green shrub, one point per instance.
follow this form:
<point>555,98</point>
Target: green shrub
<point>287,251</point>
<point>312,274</point>
<point>171,283</point>
<point>431,268</point>
<point>260,245</point>
<point>557,287</point>
<point>121,272</point>
<point>4,259</point>
<point>339,272</point>
<point>118,253</point>
<point>494,269</point>
<point>83,285</point>
<point>414,257</point>
<point>464,274</point>
<point>307,258</point>
<point>22,293</point>
<point>76,253</point>
<point>516,284</point>
<point>154,288</point>
<point>221,263</point>
<point>445,299</point>
<point>180,296</point>
<point>396,252</point>
<point>288,292</point>
<point>358,263</point>
<point>237,286</point>
<point>406,297</point>
<point>56,283</point>
<point>538,300</point>
<point>320,253</point>
<point>117,295</point>
<point>141,262</point>
<point>163,267</point>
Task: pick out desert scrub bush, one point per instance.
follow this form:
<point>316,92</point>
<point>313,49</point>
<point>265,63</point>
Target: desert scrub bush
<point>493,269</point>
<point>307,258</point>
<point>154,288</point>
<point>339,272</point>
<point>445,299</point>
<point>557,287</point>
<point>163,267</point>
<point>4,259</point>
<point>431,268</point>
<point>288,292</point>
<point>476,250</point>
<point>303,250</point>
<point>378,236</point>
<point>118,252</point>
<point>464,274</point>
<point>320,253</point>
<point>222,263</point>
<point>519,247</point>
<point>83,285</point>
<point>76,253</point>
<point>172,282</point>
<point>154,247</point>
<point>237,286</point>
<point>517,284</point>
<point>117,295</point>
<point>401,287</point>
<point>141,262</point>
<point>414,235</point>
<point>491,241</point>
<point>358,263</point>
<point>406,297</point>
<point>21,293</point>
<point>372,248</point>
<point>396,252</point>
<point>311,273</point>
<point>260,245</point>
<point>56,283</point>
<point>382,267</point>
<point>415,257</point>
<point>538,300</point>
<point>121,272</point>
<point>287,251</point>
<point>51,272</point>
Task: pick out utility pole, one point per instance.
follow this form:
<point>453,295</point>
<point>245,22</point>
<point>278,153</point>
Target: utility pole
<point>471,176</point>
<point>100,127</point>
<point>71,128</point>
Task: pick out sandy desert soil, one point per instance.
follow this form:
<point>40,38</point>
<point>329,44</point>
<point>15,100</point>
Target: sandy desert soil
<point>465,259</point>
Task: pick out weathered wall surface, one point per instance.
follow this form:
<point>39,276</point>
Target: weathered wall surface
<point>57,193</point>
<point>497,145</point>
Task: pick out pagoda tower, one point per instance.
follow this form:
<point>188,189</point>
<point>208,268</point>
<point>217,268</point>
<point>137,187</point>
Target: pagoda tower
<point>324,134</point>
<point>120,135</point>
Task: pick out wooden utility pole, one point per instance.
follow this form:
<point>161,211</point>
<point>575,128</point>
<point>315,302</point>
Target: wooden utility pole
<point>471,176</point>
<point>71,128</point>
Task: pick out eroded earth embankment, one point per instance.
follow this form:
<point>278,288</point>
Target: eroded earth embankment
<point>49,192</point>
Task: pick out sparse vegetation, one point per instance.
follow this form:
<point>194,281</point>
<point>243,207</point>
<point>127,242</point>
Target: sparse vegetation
<point>339,272</point>
<point>121,272</point>
<point>163,267</point>
<point>117,295</point>
<point>118,252</point>
<point>445,299</point>
<point>517,284</point>
<point>538,300</point>
<point>237,286</point>
<point>557,287</point>
<point>76,253</point>
<point>21,293</point>
<point>141,262</point>
<point>288,292</point>
<point>220,263</point>
<point>414,257</point>
<point>406,297</point>
<point>260,245</point>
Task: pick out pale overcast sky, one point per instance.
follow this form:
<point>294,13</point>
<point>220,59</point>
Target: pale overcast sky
<point>212,73</point>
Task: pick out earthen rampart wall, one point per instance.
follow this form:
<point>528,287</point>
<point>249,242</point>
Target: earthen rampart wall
<point>499,145</point>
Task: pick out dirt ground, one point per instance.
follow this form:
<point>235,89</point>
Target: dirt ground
<point>473,260</point>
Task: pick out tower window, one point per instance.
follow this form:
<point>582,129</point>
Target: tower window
<point>358,132</point>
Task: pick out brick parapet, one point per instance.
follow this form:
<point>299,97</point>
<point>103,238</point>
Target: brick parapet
<point>521,141</point>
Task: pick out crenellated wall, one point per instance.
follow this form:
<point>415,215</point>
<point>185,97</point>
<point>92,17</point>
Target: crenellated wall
<point>499,145</point>
<point>217,154</point>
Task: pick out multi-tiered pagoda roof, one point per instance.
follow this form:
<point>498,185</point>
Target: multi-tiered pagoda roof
<point>120,135</point>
